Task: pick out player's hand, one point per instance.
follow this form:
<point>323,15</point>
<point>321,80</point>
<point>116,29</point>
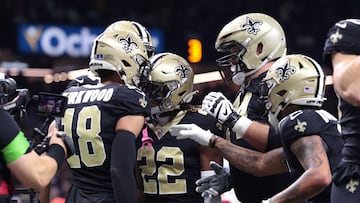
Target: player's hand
<point>191,131</point>
<point>216,104</point>
<point>214,185</point>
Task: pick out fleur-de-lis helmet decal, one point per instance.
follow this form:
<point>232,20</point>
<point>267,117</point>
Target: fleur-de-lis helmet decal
<point>128,44</point>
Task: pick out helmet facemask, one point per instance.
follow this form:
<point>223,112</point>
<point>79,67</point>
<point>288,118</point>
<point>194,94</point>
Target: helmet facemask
<point>160,94</point>
<point>231,66</point>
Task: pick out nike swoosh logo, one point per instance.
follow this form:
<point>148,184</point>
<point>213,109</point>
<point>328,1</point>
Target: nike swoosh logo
<point>79,80</point>
<point>295,114</point>
<point>226,112</point>
<point>342,25</point>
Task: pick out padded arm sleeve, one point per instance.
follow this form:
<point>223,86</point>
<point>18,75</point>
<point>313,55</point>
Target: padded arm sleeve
<point>123,157</point>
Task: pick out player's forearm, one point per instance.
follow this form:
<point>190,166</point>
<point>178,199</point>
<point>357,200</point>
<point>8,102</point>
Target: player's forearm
<point>242,158</point>
<point>257,135</point>
<point>251,161</point>
<point>306,187</point>
<point>42,170</point>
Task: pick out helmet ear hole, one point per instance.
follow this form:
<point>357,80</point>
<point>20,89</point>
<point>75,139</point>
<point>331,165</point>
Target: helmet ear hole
<point>259,48</point>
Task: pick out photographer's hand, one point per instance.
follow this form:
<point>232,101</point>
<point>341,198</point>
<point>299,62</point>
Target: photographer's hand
<point>59,137</point>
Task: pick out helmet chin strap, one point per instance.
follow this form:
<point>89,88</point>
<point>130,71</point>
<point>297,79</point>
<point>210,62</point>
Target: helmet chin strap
<point>239,78</point>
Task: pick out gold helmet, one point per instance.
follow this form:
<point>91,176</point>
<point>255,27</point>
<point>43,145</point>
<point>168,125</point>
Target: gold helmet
<point>171,82</point>
<point>293,79</point>
<point>120,51</point>
<point>252,40</point>
<point>136,28</point>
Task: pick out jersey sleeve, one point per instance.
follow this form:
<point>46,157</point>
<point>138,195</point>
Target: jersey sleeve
<point>303,123</point>
<point>132,101</point>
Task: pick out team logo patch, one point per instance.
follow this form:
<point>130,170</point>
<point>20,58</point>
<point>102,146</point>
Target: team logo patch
<point>143,102</point>
<point>334,38</point>
<point>285,71</point>
<point>300,126</point>
<point>128,44</point>
<point>352,185</point>
<point>251,26</point>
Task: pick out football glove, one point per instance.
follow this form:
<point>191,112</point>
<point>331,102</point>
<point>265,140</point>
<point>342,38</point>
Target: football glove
<point>214,185</point>
<point>216,104</point>
<point>191,131</point>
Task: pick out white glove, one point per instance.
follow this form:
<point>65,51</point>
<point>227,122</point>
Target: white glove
<point>266,201</point>
<point>216,104</point>
<point>192,131</point>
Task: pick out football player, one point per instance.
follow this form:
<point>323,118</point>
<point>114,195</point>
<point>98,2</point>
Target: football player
<point>16,154</point>
<point>341,53</point>
<point>170,167</point>
<point>252,41</point>
<point>293,92</point>
<point>104,121</point>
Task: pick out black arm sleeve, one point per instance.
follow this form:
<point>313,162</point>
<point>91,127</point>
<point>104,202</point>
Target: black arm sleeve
<point>274,139</point>
<point>123,158</point>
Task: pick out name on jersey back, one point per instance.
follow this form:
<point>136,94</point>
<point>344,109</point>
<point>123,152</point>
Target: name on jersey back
<point>92,95</point>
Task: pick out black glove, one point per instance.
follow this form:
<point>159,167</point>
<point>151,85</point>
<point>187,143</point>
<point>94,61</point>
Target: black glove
<point>214,185</point>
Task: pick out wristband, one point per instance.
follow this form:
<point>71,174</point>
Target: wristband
<point>56,152</point>
<point>232,119</point>
<point>213,141</point>
<point>241,126</point>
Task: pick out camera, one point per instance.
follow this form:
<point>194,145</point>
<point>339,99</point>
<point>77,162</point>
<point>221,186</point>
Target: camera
<point>51,105</point>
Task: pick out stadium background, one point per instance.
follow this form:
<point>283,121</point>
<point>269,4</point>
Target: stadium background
<point>305,24</point>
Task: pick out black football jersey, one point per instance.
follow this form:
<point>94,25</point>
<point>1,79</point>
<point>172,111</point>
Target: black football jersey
<point>310,122</point>
<point>90,119</point>
<point>170,167</point>
<point>249,188</point>
<point>342,37</point>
